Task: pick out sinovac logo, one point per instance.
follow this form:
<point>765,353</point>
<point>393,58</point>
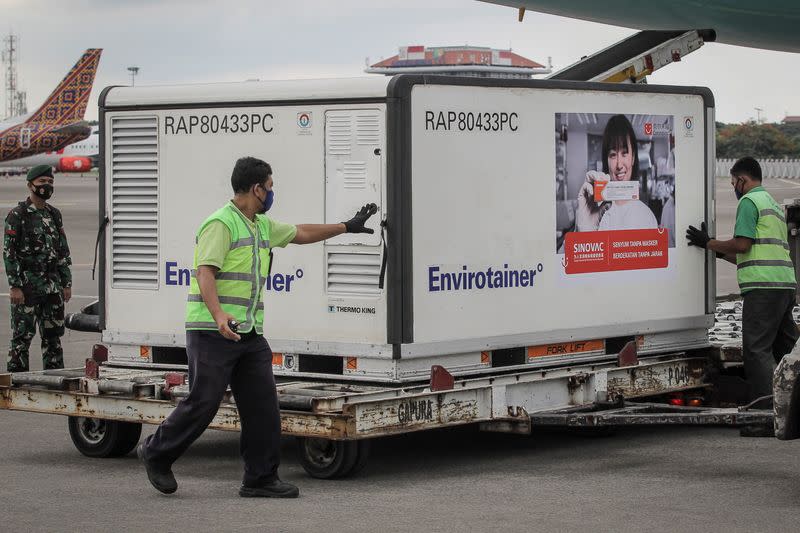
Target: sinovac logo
<point>490,278</point>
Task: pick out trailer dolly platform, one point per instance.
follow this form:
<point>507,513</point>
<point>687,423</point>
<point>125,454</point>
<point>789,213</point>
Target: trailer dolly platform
<point>107,405</point>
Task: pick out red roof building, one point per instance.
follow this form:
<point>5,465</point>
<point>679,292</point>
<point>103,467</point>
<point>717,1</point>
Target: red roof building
<point>459,61</point>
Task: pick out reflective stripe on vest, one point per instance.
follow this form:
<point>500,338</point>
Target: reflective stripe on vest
<point>767,265</point>
<point>247,241</point>
<point>772,241</point>
<point>241,279</point>
<point>236,276</point>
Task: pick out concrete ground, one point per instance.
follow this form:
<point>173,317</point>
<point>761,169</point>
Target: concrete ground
<point>667,479</point>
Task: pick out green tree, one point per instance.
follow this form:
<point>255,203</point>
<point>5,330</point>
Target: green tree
<point>791,130</point>
<point>757,140</point>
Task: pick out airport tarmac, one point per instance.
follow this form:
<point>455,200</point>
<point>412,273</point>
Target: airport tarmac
<point>662,479</point>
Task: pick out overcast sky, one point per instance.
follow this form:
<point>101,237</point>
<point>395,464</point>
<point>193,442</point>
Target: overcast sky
<point>190,41</point>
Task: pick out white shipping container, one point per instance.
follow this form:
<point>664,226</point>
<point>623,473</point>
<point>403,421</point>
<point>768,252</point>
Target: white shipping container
<point>487,262</point>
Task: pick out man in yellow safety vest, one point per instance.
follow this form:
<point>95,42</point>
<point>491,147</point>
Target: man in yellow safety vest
<point>765,272</point>
<point>224,332</point>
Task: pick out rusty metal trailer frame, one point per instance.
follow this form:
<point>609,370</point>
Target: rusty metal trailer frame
<point>342,416</point>
<point>566,396</point>
<point>340,411</point>
<point>654,414</point>
<point>587,395</point>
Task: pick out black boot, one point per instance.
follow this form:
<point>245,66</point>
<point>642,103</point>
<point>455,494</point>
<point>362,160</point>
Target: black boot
<point>273,489</point>
<point>161,478</point>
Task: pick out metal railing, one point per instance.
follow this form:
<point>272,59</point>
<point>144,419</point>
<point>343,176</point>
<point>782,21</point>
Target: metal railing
<point>770,168</point>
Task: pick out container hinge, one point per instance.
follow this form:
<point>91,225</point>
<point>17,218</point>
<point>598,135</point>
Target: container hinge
<point>97,242</point>
<point>382,276</point>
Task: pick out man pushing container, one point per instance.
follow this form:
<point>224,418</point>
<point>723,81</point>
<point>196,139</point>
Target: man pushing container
<point>224,332</point>
<point>765,272</point>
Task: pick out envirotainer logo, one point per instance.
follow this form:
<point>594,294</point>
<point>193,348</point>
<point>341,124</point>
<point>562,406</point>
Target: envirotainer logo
<point>492,277</point>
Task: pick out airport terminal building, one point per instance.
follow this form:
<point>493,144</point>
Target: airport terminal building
<point>475,61</point>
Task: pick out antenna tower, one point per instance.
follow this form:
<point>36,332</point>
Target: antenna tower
<point>15,100</point>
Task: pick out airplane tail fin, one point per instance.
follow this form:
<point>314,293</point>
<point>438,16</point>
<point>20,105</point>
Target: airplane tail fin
<point>67,103</point>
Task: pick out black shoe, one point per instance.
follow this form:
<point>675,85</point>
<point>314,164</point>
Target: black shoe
<point>161,479</point>
<point>273,489</point>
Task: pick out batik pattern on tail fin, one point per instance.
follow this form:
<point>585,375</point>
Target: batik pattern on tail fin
<point>67,103</point>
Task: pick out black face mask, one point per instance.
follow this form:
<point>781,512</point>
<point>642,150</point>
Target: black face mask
<point>43,191</point>
<point>267,202</point>
<point>736,190</point>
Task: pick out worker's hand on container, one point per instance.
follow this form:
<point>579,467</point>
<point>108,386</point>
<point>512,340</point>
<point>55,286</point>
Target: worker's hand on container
<point>698,237</point>
<point>356,224</point>
<point>588,213</point>
<point>222,320</point>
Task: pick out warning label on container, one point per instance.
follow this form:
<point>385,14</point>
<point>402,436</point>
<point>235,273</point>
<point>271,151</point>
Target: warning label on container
<point>304,123</point>
<point>566,348</point>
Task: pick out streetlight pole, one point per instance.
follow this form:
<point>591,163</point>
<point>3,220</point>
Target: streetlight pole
<point>134,71</point>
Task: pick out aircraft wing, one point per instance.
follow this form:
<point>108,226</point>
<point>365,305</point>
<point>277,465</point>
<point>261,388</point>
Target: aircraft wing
<point>772,24</point>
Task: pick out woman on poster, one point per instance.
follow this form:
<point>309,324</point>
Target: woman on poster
<point>620,163</point>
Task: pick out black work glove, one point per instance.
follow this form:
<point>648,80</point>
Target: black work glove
<point>698,237</point>
<point>356,224</point>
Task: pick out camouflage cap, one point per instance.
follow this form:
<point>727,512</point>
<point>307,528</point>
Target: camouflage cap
<point>40,170</point>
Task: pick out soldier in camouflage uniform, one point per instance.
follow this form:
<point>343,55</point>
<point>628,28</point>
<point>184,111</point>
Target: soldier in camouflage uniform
<point>37,263</point>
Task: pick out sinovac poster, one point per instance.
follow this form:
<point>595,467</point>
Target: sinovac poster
<point>615,191</point>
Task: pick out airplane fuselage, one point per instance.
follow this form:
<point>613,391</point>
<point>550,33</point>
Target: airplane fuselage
<point>76,157</point>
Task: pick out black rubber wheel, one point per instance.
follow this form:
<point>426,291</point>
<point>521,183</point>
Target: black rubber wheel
<point>95,437</point>
<point>364,447</point>
<point>328,459</point>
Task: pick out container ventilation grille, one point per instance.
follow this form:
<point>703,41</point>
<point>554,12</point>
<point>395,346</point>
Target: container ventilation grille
<point>339,132</point>
<point>354,273</point>
<point>134,202</point>
<point>368,129</point>
<point>354,174</point>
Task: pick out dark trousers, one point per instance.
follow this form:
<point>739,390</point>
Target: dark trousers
<point>215,362</point>
<point>768,333</point>
<point>45,311</point>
